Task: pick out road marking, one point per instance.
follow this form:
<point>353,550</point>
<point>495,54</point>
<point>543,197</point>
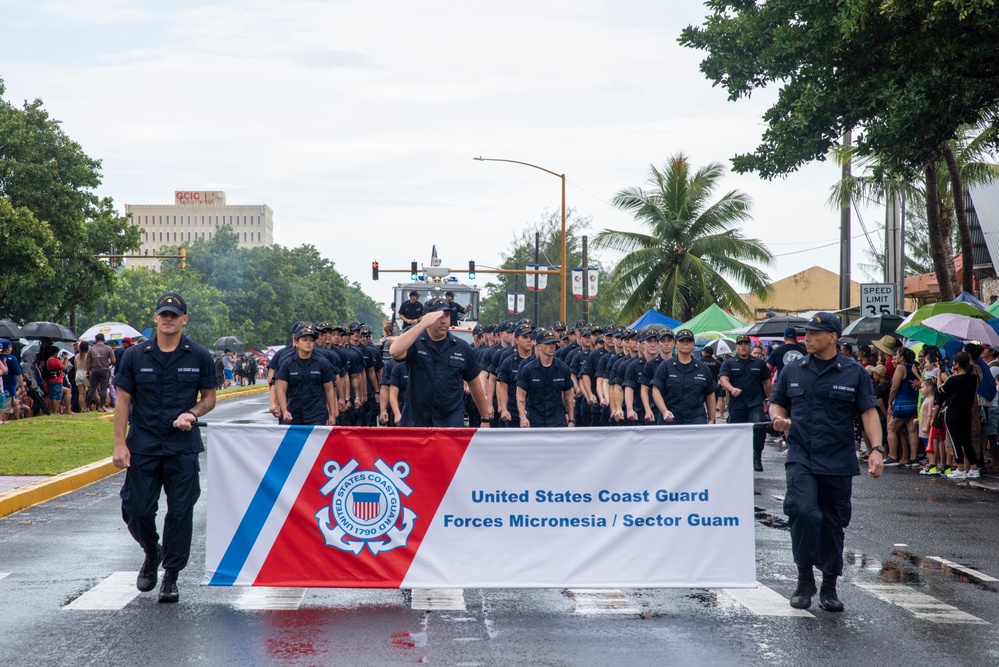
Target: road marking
<point>260,598</point>
<point>966,571</point>
<point>919,604</point>
<point>764,601</point>
<point>595,601</point>
<point>438,599</point>
<point>112,593</point>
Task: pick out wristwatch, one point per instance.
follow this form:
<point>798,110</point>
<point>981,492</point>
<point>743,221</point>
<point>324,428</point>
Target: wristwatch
<point>878,448</point>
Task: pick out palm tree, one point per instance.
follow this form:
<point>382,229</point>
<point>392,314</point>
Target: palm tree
<point>691,247</point>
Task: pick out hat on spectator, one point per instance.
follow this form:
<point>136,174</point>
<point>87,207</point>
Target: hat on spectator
<point>790,332</point>
<point>824,322</point>
<point>886,344</point>
<point>171,302</point>
<point>126,339</point>
<point>879,370</point>
<point>4,343</point>
<point>438,304</point>
<point>684,334</point>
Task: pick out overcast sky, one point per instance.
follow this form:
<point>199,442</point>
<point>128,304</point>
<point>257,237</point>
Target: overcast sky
<point>357,122</point>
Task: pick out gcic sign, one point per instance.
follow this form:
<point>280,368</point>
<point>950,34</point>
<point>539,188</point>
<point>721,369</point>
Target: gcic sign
<point>199,197</point>
<point>877,299</point>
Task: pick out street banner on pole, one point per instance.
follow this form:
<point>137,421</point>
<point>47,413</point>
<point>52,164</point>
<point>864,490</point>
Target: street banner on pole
<point>521,302</point>
<point>511,302</point>
<point>577,283</point>
<point>538,281</point>
<point>412,508</point>
<point>592,290</point>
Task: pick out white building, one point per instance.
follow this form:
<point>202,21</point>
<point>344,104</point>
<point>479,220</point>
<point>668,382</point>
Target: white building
<point>197,215</point>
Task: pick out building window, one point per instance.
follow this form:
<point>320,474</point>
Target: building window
<point>145,236</point>
<point>161,219</point>
<point>244,237</point>
<point>258,236</point>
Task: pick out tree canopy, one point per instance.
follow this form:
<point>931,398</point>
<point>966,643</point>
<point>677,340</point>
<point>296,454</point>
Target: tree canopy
<point>253,293</point>
<point>907,73</point>
<point>52,224</point>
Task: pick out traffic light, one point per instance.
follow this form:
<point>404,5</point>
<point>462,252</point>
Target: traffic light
<point>374,270</point>
<point>471,269</point>
<point>183,257</point>
<point>414,273</point>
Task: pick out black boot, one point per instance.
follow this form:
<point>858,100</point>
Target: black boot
<point>827,595</point>
<point>757,461</point>
<point>146,581</point>
<point>169,591</point>
<point>802,596</point>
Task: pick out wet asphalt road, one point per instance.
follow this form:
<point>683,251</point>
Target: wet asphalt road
<point>55,555</point>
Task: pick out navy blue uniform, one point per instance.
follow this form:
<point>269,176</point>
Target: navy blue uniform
<point>163,385</point>
<point>437,372</point>
<point>412,311</point>
<point>632,380</point>
<point>749,375</point>
<point>684,388</point>
<point>507,374</point>
<point>575,362</point>
<point>545,386</point>
<point>306,396</point>
<point>399,378</point>
<point>822,398</point>
<point>645,378</point>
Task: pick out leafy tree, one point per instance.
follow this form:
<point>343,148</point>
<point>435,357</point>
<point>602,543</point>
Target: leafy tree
<point>23,244</point>
<point>692,246</point>
<point>45,172</point>
<point>909,73</point>
<point>493,306</point>
<point>253,293</point>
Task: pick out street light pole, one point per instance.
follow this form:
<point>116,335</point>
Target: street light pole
<point>562,271</point>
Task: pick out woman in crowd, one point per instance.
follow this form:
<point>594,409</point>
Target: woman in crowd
<point>957,392</point>
<point>902,411</point>
<point>80,363</point>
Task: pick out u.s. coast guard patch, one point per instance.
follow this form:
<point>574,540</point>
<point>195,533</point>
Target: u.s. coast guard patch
<point>366,507</point>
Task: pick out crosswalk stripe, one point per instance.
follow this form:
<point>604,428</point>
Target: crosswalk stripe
<point>967,571</point>
<point>764,601</point>
<point>112,593</point>
<point>593,601</point>
<point>270,598</point>
<point>919,604</point>
<point>438,599</point>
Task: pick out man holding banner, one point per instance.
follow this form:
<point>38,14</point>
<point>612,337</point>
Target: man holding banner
<point>814,403</point>
<point>439,365</point>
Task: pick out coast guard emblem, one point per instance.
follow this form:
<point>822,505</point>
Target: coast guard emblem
<point>366,507</point>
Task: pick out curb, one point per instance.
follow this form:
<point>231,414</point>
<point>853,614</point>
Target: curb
<point>55,486</point>
<point>43,490</point>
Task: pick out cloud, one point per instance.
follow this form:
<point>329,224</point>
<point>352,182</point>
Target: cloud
<point>330,59</point>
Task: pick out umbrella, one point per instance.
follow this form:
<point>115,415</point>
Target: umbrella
<point>873,326</point>
<point>963,327</point>
<point>229,341</point>
<point>931,309</point>
<point>49,330</point>
<point>111,330</point>
<point>721,346</point>
<point>775,325</point>
<point>9,330</point>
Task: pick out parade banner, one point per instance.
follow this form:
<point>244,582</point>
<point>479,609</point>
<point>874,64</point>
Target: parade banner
<point>296,506</point>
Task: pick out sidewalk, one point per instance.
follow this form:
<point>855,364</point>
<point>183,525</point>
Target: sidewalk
<point>19,492</point>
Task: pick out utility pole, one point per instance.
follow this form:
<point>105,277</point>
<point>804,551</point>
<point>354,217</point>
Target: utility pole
<point>586,284</point>
<point>894,260</point>
<point>537,243</point>
<point>845,234</point>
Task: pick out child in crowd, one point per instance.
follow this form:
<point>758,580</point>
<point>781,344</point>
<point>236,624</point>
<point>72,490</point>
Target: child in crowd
<point>926,411</point>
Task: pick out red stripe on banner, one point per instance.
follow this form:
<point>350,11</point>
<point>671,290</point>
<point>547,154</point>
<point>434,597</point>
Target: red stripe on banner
<point>300,556</point>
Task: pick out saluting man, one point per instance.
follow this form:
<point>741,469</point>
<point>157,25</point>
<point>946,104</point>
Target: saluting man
<point>814,403</point>
<point>439,365</point>
<point>157,442</point>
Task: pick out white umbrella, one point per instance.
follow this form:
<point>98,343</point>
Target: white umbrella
<point>963,327</point>
<point>721,346</point>
<point>111,331</point>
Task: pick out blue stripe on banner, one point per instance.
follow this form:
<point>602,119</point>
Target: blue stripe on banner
<point>260,506</point>
<point>362,497</point>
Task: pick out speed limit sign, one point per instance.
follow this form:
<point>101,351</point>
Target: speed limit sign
<point>877,299</point>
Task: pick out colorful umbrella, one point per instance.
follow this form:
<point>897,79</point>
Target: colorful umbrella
<point>938,308</point>
<point>111,331</point>
<point>963,327</point>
